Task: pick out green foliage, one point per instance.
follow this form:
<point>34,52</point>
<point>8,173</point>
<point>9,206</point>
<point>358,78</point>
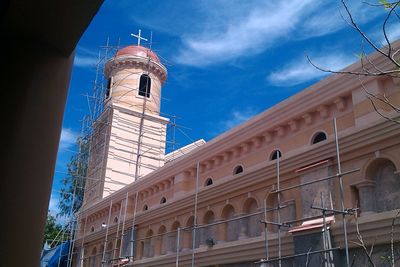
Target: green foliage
<point>385,3</point>
<point>385,259</point>
<point>73,185</point>
<point>360,56</point>
<point>52,229</point>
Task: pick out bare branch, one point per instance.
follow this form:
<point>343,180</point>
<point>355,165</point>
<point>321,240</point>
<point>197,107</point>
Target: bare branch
<point>380,113</point>
<point>391,73</point>
<point>362,245</point>
<point>359,30</point>
<point>308,257</point>
<point>387,102</point>
<point>371,98</point>
<point>365,37</point>
<point>384,30</point>
<point>392,237</point>
<point>379,5</point>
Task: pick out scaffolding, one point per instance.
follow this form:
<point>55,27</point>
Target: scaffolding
<point>96,131</point>
<point>125,243</point>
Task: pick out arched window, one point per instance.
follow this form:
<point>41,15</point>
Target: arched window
<point>115,219</point>
<point>208,182</point>
<point>163,200</point>
<point>144,85</point>
<point>108,89</point>
<point>231,227</point>
<point>238,169</point>
<point>318,137</point>
<point>145,207</point>
<point>276,154</point>
<point>92,229</point>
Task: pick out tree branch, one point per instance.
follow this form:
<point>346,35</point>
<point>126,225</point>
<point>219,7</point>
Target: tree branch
<point>392,237</point>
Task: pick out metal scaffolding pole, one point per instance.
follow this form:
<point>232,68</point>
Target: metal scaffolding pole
<point>279,209</point>
<point>132,244</point>
<point>266,230</point>
<point>339,169</point>
<point>123,225</point>
<point>117,233</point>
<point>83,244</point>
<point>106,237</point>
<point>195,213</point>
<point>177,246</point>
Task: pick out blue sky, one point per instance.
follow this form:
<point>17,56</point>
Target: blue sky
<point>227,60</point>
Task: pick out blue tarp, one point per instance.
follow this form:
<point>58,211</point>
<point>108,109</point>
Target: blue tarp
<point>51,257</point>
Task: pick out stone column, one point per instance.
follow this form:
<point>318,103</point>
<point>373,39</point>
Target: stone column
<point>366,193</point>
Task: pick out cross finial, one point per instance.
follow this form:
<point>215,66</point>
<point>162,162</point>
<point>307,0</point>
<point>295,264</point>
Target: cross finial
<point>139,37</point>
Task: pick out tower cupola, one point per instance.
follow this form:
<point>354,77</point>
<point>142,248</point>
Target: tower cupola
<point>135,77</point>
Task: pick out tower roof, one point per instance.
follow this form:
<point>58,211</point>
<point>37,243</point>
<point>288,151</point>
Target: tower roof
<point>138,51</point>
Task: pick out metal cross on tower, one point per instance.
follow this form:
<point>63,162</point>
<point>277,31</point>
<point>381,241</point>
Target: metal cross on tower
<point>139,37</point>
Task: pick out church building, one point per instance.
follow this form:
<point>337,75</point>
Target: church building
<point>292,185</point>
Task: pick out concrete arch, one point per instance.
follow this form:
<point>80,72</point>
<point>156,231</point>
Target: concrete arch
<point>148,244</point>
<point>207,232</point>
<point>162,229</point>
<point>173,237</point>
<point>227,211</point>
<point>189,221</point>
<point>230,228</point>
<point>235,203</point>
<point>187,237</point>
<point>92,260</point>
<point>248,202</point>
<point>383,192</point>
<point>208,217</point>
<point>161,246</point>
<point>94,251</point>
<point>373,162</point>
<point>175,225</point>
<point>149,233</point>
<point>110,245</point>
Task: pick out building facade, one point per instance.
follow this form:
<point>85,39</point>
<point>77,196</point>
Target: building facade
<point>283,183</point>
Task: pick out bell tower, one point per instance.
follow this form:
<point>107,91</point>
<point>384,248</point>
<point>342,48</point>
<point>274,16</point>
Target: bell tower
<point>129,136</point>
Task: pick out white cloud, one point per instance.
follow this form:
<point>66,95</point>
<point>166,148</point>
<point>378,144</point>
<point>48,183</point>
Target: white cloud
<point>85,61</point>
<point>262,25</point>
<point>236,117</point>
<point>300,70</point>
<point>68,138</point>
<point>392,32</point>
<point>85,58</point>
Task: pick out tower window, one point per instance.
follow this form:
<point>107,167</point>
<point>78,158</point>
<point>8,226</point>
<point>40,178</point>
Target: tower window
<point>144,85</point>
<point>163,200</point>
<point>319,137</point>
<point>108,89</point>
<point>145,207</point>
<point>238,169</point>
<point>276,154</point>
<point>208,182</point>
